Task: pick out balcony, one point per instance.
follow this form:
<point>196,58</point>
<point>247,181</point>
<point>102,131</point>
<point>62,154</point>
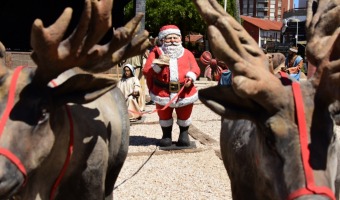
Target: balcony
<point>261,9</point>
<point>294,13</point>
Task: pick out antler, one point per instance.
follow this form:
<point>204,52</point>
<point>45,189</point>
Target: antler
<point>323,45</point>
<point>2,60</point>
<point>53,55</point>
<point>249,65</point>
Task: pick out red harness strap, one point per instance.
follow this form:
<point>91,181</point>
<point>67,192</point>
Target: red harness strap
<point>69,152</point>
<point>10,102</point>
<point>310,187</point>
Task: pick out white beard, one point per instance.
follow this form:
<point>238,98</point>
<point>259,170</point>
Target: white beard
<point>173,51</point>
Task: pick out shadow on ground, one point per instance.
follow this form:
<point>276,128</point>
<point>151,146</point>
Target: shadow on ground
<point>143,141</point>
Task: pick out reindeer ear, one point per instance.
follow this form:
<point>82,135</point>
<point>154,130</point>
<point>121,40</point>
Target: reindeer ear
<point>82,88</point>
<point>3,68</point>
<point>223,101</point>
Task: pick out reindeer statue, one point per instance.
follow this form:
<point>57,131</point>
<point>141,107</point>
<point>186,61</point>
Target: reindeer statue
<point>69,140</point>
<point>278,138</point>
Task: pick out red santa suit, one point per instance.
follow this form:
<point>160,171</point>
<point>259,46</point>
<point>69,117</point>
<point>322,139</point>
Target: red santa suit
<point>181,67</point>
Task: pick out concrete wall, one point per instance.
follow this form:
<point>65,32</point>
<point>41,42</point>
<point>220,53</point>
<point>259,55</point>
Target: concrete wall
<point>14,59</point>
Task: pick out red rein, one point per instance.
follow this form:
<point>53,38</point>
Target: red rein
<point>310,186</point>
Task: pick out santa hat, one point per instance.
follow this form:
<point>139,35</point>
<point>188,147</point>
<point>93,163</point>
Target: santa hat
<point>167,30</point>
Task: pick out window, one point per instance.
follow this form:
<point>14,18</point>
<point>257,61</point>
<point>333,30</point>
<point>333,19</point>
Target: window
<point>260,14</point>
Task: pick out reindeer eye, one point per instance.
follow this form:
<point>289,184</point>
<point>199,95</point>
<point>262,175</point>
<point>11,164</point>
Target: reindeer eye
<point>270,141</point>
<point>44,115</point>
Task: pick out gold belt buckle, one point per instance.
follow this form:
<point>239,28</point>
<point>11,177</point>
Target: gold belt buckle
<point>174,86</point>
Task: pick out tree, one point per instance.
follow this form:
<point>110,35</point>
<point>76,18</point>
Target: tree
<point>180,12</point>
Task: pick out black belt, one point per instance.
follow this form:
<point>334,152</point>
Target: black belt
<point>172,86</point>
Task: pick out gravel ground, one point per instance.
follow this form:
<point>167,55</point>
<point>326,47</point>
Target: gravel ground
<point>189,174</point>
<point>151,173</point>
<point>199,175</point>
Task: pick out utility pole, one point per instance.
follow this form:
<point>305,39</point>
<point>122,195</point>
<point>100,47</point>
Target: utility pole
<point>225,5</point>
<point>139,7</point>
<point>297,32</point>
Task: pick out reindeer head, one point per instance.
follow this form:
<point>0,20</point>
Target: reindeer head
<point>29,106</point>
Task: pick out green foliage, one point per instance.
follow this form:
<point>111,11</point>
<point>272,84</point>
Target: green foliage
<point>180,12</point>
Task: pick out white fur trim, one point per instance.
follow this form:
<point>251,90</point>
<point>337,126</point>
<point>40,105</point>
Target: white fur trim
<point>169,31</point>
<point>166,123</point>
<point>173,65</point>
<point>180,103</point>
<point>156,68</point>
<point>191,75</point>
<point>184,122</point>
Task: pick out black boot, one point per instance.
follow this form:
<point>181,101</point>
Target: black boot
<point>183,139</point>
<point>166,139</point>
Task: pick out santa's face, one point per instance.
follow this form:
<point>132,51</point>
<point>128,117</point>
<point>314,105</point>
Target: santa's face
<point>172,45</point>
<point>172,40</point>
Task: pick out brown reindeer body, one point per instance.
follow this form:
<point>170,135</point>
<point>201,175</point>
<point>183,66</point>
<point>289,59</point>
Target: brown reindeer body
<point>262,165</point>
<point>100,133</point>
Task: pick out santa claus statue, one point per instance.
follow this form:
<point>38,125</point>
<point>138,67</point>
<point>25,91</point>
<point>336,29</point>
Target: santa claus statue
<point>171,71</point>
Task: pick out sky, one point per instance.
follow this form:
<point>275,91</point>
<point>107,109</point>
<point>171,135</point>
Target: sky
<point>17,20</point>
<point>18,16</point>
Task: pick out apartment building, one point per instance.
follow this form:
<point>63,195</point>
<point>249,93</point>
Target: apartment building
<point>266,9</point>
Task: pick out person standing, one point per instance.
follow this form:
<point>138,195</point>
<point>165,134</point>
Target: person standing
<point>294,63</point>
<point>131,89</point>
<point>137,62</point>
<point>170,67</point>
